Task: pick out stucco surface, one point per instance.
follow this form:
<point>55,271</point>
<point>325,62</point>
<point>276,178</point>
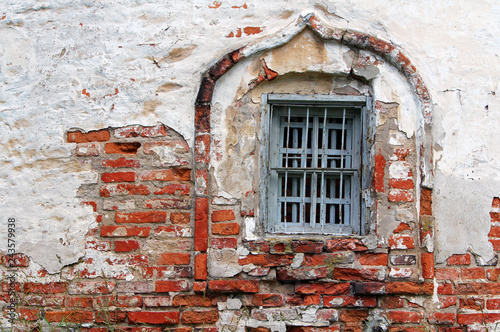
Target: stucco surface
<point>94,64</point>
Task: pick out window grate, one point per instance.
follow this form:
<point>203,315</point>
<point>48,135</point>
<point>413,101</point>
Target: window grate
<point>314,167</point>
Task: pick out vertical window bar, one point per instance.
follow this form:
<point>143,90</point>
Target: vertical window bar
<point>305,134</point>
<point>323,165</point>
<point>295,164</point>
<point>314,175</point>
<point>286,165</point>
<point>341,194</point>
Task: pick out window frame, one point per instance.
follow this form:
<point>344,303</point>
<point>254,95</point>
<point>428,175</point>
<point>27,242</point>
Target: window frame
<point>268,195</point>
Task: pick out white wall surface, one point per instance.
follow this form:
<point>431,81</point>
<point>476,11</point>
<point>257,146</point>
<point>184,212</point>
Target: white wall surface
<point>93,64</point>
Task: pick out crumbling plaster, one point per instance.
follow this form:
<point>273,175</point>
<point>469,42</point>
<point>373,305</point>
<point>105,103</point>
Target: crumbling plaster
<point>91,65</point>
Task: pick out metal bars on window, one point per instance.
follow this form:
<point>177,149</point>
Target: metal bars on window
<point>314,168</point>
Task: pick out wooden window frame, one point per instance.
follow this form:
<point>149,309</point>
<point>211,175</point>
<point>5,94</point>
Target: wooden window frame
<point>351,107</point>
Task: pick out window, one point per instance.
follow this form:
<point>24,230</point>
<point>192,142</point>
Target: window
<point>313,157</point>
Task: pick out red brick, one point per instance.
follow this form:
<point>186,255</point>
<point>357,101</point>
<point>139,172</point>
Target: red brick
<point>121,301</point>
<point>471,303</point>
<point>262,246</point>
<point>91,287</point>
<point>405,316</point>
<point>427,261</point>
<point>122,148</point>
<point>122,189</point>
<point>380,46</point>
<point>166,272</point>
<point>166,204</point>
<point>349,301</point>
<point>163,286</point>
<point>87,149</point>
<point>401,228</point>
<point>244,286</point>
<point>127,132</point>
<point>118,177</point>
<point>202,300</point>
<point>174,259</point>
<point>123,231</point>
<point>492,274</point>
<point>223,215</point>
<point>347,274</point>
<point>468,319</point>
<point>473,273</point>
<point>206,90</point>
<point>173,231</point>
<point>413,288</point>
<point>199,286</point>
<point>302,273</point>
<point>221,242</point>
<point>392,302</point>
<point>69,316</point>
<point>278,247</point>
<point>447,301</point>
<point>154,317</point>
<point>343,257</point>
<point>202,148</point>
<point>202,118</point>
<point>368,288</point>
<point>226,229</point>
<point>264,300</point>
<point>379,173</point>
<point>332,328</point>
<point>326,288</point>
<point>267,260</point>
<point>120,162</point>
<point>445,289</point>
<point>220,68</point>
<point>110,317</point>
<point>447,274</point>
<point>400,195</point>
<point>401,183</point>
<point>141,217</point>
<point>400,241</point>
<point>308,247</point>
<point>91,203</point>
<point>180,217</point>
<point>200,267</point>
<point>15,260</point>
<point>174,189</point>
<point>373,259</point>
<point>496,202</point>
<point>493,304</point>
<point>42,300</point>
<point>353,315</point>
<point>176,174</point>
<point>30,315</point>
<point>495,216</point>
<point>303,300</point>
<point>494,231</point>
<point>126,246</point>
<point>345,244</point>
<point>200,317</point>
<point>474,288</point>
<point>425,202</point>
<point>458,260</point>
<point>201,225</point>
<point>91,136</point>
<point>49,288</point>
<point>154,131</point>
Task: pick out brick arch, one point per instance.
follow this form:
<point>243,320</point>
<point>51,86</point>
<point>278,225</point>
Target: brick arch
<point>360,40</point>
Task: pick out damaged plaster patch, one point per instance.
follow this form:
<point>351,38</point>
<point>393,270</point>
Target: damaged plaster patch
<point>461,208</point>
<point>223,263</point>
<point>51,224</point>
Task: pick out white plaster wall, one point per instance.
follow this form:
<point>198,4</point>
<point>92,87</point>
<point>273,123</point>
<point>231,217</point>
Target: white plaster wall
<point>154,54</point>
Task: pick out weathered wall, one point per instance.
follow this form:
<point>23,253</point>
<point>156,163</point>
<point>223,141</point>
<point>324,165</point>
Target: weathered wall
<point>108,65</point>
